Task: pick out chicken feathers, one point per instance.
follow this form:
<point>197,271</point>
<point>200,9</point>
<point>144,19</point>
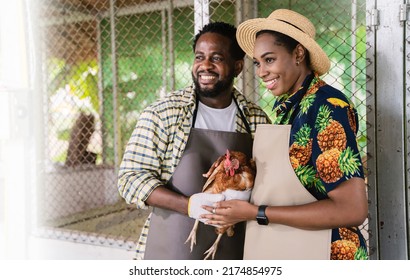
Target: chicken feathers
<point>234,171</point>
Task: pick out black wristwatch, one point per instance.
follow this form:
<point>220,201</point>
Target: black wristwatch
<point>261,216</point>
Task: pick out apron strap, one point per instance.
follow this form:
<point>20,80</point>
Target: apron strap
<point>195,112</point>
<point>248,129</point>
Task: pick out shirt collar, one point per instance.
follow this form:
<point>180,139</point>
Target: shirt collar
<point>287,103</point>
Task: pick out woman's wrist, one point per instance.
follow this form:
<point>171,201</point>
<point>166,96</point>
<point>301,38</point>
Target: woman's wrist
<point>252,213</point>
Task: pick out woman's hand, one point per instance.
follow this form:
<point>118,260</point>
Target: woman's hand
<point>230,212</point>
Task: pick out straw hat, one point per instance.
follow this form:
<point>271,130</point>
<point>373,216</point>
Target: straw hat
<point>289,23</point>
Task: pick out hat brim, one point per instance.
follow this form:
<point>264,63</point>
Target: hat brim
<point>246,36</point>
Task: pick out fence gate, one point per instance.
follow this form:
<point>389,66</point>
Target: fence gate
<point>104,61</point>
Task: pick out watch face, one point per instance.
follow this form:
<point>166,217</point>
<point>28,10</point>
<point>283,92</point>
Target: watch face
<point>262,220</point>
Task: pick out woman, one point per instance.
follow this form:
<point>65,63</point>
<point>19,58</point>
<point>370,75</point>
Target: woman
<point>309,196</point>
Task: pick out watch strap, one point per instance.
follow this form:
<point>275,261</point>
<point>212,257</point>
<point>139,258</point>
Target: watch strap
<point>261,216</point>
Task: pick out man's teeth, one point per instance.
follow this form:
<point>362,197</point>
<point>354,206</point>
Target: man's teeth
<point>207,77</point>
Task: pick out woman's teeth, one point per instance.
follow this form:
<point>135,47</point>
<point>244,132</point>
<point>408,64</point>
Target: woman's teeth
<point>271,83</point>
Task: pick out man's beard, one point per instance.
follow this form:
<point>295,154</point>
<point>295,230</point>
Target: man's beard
<point>217,89</point>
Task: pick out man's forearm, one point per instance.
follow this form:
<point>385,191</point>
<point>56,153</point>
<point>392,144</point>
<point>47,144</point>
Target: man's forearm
<point>165,198</point>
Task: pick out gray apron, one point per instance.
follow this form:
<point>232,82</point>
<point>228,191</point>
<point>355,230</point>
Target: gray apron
<point>169,229</point>
<point>276,184</point>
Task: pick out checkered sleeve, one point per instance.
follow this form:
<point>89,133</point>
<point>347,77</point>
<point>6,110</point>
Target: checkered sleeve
<point>140,169</point>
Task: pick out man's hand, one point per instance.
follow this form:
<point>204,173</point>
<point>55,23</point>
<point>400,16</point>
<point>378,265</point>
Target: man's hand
<point>196,201</point>
<point>214,165</point>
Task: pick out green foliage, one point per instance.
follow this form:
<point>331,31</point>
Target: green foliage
<point>64,134</point>
<point>81,78</point>
<point>223,11</point>
<point>139,80</point>
<point>60,157</point>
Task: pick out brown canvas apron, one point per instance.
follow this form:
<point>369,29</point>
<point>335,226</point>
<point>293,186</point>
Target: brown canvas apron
<point>276,184</point>
<point>169,229</point>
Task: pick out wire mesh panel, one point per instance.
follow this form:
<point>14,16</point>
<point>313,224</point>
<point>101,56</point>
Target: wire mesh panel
<point>104,61</point>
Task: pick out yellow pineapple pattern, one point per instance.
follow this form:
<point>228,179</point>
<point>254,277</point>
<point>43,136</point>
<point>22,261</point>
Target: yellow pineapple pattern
<point>294,162</point>
<point>347,234</point>
<point>331,133</point>
<point>336,160</point>
<point>343,250</point>
<point>301,148</point>
<point>352,119</point>
<point>348,247</point>
<point>328,166</point>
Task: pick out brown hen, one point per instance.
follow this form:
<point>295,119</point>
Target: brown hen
<point>234,171</point>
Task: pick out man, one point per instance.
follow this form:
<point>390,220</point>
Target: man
<point>178,138</point>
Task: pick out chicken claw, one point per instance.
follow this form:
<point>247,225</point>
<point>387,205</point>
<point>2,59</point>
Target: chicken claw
<point>192,235</point>
<point>214,247</point>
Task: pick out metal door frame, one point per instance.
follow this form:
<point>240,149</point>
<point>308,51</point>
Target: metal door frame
<point>388,121</point>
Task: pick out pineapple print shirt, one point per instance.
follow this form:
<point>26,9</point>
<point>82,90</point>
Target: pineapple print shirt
<point>323,148</point>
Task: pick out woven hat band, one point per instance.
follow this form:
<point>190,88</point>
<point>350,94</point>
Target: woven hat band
<point>293,26</point>
<point>288,16</point>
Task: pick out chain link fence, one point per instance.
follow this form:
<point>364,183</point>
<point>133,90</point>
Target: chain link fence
<point>104,61</point>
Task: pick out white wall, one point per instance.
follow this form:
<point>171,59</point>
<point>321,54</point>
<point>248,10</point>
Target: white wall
<point>14,152</point>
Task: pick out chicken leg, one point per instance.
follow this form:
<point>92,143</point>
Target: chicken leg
<point>192,235</point>
<point>213,248</point>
